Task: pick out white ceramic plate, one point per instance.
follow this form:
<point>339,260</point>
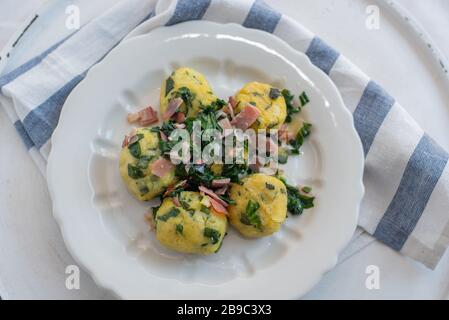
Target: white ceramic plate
<point>103,224</point>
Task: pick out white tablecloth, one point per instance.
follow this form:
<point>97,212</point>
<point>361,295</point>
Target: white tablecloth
<point>33,257</point>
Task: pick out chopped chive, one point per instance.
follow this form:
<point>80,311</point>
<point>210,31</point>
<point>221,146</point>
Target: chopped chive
<point>179,229</point>
<point>304,99</point>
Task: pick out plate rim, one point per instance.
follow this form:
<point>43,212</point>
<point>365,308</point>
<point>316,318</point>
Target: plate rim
<point>109,285</point>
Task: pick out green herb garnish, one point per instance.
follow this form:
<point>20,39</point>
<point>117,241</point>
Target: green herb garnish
<point>169,85</point>
<point>251,217</point>
<point>179,229</point>
<point>144,161</point>
<point>171,214</point>
<point>227,200</point>
<point>269,186</point>
<point>186,95</point>
<point>134,172</point>
<point>306,189</point>
<point>304,99</point>
<point>184,204</point>
<point>296,202</point>
<point>303,133</point>
<point>291,108</point>
<point>282,155</point>
<point>212,234</point>
<point>205,209</point>
<point>135,150</point>
<point>216,105</point>
<point>233,171</point>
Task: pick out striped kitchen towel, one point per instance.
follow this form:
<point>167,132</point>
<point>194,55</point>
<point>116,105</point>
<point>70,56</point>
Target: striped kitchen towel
<point>406,205</point>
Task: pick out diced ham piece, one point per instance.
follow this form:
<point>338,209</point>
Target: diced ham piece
<point>163,136</point>
<point>179,125</point>
<point>271,146</point>
<point>217,206</point>
<point>133,117</point>
<point>225,124</point>
<point>172,108</point>
<point>161,167</point>
<point>256,166</point>
<point>232,102</point>
<point>180,117</point>
<point>219,183</point>
<point>145,117</point>
<point>229,110</point>
<point>222,190</point>
<point>125,141</point>
<point>133,139</point>
<point>213,195</point>
<point>246,117</point>
<point>283,133</point>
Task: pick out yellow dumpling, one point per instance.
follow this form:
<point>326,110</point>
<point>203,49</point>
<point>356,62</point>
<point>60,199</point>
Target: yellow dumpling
<point>135,166</point>
<point>260,205</point>
<point>191,227</point>
<point>268,100</point>
<point>191,86</point>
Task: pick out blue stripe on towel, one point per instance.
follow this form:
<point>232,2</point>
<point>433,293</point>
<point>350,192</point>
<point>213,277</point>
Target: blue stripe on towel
<point>187,10</point>
<point>420,177</point>
<point>42,120</point>
<point>321,55</point>
<point>371,112</point>
<point>262,17</point>
<point>14,74</point>
<point>23,134</point>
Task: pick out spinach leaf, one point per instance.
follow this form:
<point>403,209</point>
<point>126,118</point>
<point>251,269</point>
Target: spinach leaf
<point>291,108</point>
<point>269,186</point>
<point>171,214</point>
<point>227,200</point>
<point>212,234</point>
<point>216,105</point>
<point>135,150</point>
<point>208,121</point>
<point>186,95</point>
<point>166,146</point>
<point>179,229</point>
<point>169,85</point>
<point>205,209</point>
<point>168,127</point>
<point>297,202</point>
<point>251,217</point>
<point>134,172</point>
<point>303,133</point>
<point>200,175</point>
<point>233,171</point>
<point>184,204</point>
<point>144,161</point>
